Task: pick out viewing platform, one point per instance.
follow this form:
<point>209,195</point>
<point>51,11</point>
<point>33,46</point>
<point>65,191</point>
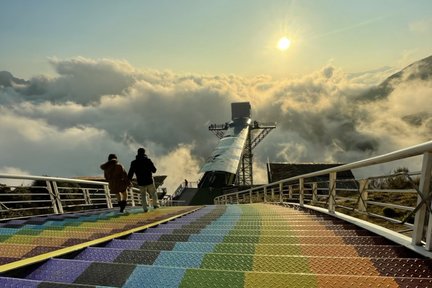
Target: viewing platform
<point>253,245</point>
<point>309,230</point>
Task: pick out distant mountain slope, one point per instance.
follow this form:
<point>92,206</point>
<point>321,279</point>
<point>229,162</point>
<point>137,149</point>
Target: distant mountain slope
<point>419,70</point>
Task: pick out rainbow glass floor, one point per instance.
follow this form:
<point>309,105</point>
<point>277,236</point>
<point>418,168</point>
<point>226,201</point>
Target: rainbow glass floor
<point>257,245</point>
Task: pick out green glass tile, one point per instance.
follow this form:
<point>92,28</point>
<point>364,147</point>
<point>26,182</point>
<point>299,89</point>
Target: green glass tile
<point>3,238</point>
<point>227,262</point>
<point>54,228</point>
<point>277,249</point>
<point>266,263</point>
<point>279,280</point>
<point>235,248</point>
<point>241,239</point>
<point>28,232</point>
<point>20,239</point>
<point>242,232</point>
<point>278,240</point>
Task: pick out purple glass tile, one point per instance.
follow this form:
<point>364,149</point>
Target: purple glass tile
<point>144,222</point>
<point>40,250</point>
<point>59,270</point>
<point>144,236</point>
<point>5,260</point>
<point>98,235</point>
<point>73,241</point>
<point>160,229</point>
<point>17,221</point>
<point>98,254</point>
<point>15,283</point>
<point>125,244</point>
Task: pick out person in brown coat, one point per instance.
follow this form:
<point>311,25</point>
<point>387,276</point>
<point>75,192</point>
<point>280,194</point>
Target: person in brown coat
<point>118,181</point>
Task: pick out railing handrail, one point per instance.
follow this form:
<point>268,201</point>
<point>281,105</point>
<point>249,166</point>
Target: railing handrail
<point>422,227</point>
<point>50,178</point>
<point>392,156</point>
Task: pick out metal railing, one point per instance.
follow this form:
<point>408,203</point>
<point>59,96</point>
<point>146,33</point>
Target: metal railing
<point>28,195</point>
<point>402,199</point>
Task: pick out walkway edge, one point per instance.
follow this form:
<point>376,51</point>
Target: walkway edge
<point>46,256</point>
<point>382,231</point>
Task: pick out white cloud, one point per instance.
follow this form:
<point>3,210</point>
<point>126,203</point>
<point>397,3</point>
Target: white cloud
<point>67,125</point>
<point>13,182</point>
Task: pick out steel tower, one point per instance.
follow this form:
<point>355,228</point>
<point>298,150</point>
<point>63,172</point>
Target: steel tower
<point>257,131</point>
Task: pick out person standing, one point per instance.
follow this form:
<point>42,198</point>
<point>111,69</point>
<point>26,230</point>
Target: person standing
<point>144,168</point>
<point>118,180</point>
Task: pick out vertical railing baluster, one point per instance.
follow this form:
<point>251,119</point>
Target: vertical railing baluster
<point>301,191</point>
<point>314,193</point>
<point>57,197</point>
<point>281,192</point>
<point>332,192</point>
<point>108,197</point>
<point>52,196</point>
<point>362,203</point>
<point>424,188</point>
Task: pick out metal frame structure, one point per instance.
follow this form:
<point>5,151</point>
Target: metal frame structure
<point>55,195</point>
<point>245,169</point>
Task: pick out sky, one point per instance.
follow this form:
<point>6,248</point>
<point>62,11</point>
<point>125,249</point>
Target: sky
<point>103,76</point>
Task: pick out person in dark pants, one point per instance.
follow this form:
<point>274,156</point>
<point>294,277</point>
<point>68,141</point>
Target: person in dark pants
<point>118,181</point>
<point>144,168</point>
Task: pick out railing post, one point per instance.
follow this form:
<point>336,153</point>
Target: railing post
<point>108,196</point>
<point>57,197</point>
<point>237,198</point>
<point>362,205</point>
<point>86,194</point>
<point>332,192</point>
<point>301,188</point>
<point>272,194</point>
<point>314,192</point>
<point>420,216</point>
<point>131,193</point>
<point>265,194</point>
<point>281,192</point>
<point>290,192</point>
<point>52,196</point>
<point>250,197</point>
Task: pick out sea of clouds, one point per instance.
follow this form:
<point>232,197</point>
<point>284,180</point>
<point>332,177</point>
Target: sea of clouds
<point>67,125</point>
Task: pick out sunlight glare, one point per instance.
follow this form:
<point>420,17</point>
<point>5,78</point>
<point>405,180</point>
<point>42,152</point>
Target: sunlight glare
<point>284,43</point>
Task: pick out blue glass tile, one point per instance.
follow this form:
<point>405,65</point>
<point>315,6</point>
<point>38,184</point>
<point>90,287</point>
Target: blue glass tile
<point>206,238</point>
<point>194,247</point>
<point>8,231</point>
<point>148,276</point>
<point>179,259</point>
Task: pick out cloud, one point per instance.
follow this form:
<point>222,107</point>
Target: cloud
<point>68,124</point>
<point>14,182</point>
<point>422,26</point>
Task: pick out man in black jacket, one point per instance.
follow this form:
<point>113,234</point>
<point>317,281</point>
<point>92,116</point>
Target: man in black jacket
<point>143,168</point>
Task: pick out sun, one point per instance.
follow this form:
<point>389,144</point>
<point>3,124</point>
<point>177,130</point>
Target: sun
<point>284,43</point>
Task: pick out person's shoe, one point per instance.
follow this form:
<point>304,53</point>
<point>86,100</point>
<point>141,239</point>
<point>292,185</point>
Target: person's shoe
<point>122,206</point>
<point>145,210</point>
<point>156,207</point>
